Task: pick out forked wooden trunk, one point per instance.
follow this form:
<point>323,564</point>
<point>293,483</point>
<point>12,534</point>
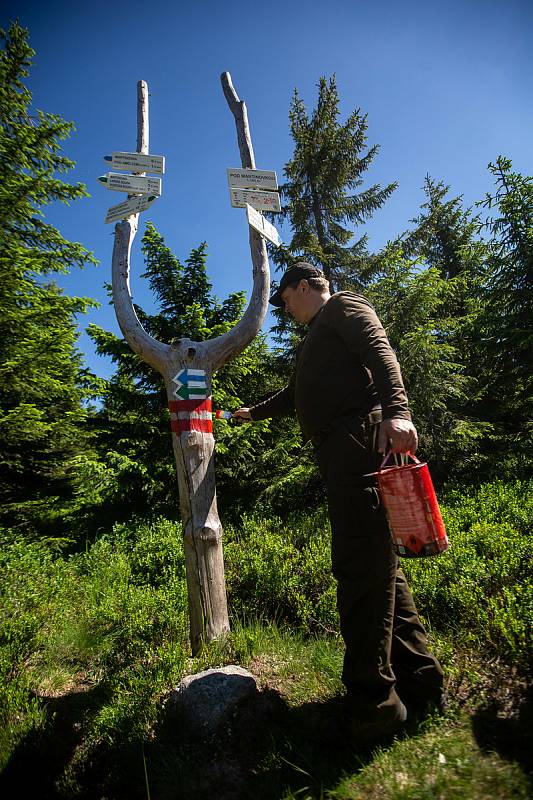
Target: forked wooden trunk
<point>192,436</point>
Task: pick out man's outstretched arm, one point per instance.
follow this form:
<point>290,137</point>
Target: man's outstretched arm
<point>277,405</point>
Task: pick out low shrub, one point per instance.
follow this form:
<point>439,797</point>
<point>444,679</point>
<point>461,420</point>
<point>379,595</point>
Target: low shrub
<point>282,571</point>
<point>116,615</point>
<point>481,589</point>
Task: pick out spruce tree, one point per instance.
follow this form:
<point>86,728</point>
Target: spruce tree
<point>41,372</point>
<point>430,298</point>
<point>445,236</point>
<point>505,331</point>
<point>510,286</point>
<point>320,197</point>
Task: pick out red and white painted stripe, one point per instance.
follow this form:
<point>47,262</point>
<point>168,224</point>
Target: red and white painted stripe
<point>191,415</point>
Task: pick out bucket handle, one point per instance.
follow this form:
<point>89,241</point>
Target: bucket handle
<point>403,456</point>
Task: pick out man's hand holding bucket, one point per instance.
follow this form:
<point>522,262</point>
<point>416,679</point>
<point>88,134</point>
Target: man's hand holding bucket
<point>398,435</point>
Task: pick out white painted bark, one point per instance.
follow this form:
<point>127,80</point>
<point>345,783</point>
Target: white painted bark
<point>194,450</point>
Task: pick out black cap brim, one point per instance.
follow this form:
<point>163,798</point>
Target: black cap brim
<point>275,299</point>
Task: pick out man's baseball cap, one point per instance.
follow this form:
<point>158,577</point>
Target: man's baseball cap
<point>301,270</point>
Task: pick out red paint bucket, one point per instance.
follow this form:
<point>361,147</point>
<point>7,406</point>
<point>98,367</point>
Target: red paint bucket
<point>413,512</point>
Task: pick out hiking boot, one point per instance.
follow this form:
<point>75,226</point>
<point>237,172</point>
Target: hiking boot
<point>368,733</point>
<point>421,708</point>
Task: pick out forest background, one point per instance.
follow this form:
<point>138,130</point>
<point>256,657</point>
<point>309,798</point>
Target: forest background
<point>87,461</point>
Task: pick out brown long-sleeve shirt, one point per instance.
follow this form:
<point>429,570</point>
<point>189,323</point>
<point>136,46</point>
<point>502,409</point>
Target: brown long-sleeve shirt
<point>344,365</point>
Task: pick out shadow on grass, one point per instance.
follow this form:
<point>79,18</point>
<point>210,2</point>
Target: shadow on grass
<point>265,750</point>
<point>40,758</point>
<point>509,735</point>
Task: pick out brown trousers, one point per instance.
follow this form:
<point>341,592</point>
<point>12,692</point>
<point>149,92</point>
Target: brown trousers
<point>386,644</point>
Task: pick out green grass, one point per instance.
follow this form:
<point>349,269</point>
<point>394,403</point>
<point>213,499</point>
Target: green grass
<point>91,643</point>
<point>308,668</point>
<point>443,762</point>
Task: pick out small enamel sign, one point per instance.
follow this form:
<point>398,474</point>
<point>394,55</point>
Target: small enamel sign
<point>132,206</point>
<point>133,184</point>
<point>252,179</point>
<point>265,228</point>
<point>190,384</point>
<point>262,201</point>
<point>137,162</point>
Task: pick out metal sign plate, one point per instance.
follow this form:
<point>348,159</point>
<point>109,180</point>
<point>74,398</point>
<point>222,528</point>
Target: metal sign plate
<point>265,228</point>
<point>252,179</point>
<point>137,162</point>
<point>133,184</point>
<point>132,206</point>
<point>190,384</point>
<point>262,201</point>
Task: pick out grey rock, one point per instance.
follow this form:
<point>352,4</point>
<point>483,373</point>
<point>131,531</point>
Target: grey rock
<point>207,698</point>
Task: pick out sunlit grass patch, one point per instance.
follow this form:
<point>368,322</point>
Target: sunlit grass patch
<point>99,638</point>
<point>443,762</point>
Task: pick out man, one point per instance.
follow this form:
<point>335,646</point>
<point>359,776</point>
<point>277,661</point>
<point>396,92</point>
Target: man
<point>350,401</point>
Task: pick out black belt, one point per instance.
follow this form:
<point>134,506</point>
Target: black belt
<point>373,417</point>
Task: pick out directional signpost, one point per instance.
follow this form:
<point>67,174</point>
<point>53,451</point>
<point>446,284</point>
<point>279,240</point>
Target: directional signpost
<point>144,190</point>
<point>137,162</point>
<point>132,206</point>
<point>265,228</point>
<point>132,184</point>
<point>187,366</point>
<point>255,189</point>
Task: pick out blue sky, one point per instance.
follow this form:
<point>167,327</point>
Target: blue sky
<point>446,87</point>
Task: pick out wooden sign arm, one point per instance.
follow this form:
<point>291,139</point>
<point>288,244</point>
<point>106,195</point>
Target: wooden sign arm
<point>139,340</point>
<point>222,348</point>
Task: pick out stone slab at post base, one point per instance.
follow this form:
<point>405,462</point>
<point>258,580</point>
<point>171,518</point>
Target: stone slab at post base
<point>207,699</point>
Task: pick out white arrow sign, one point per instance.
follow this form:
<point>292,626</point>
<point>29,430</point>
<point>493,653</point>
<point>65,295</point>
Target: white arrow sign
<point>265,228</point>
<point>133,184</point>
<point>137,162</point>
<point>190,384</point>
<point>262,201</point>
<point>132,206</point>
<point>252,179</point>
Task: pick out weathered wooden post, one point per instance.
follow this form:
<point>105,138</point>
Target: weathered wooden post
<point>191,418</point>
